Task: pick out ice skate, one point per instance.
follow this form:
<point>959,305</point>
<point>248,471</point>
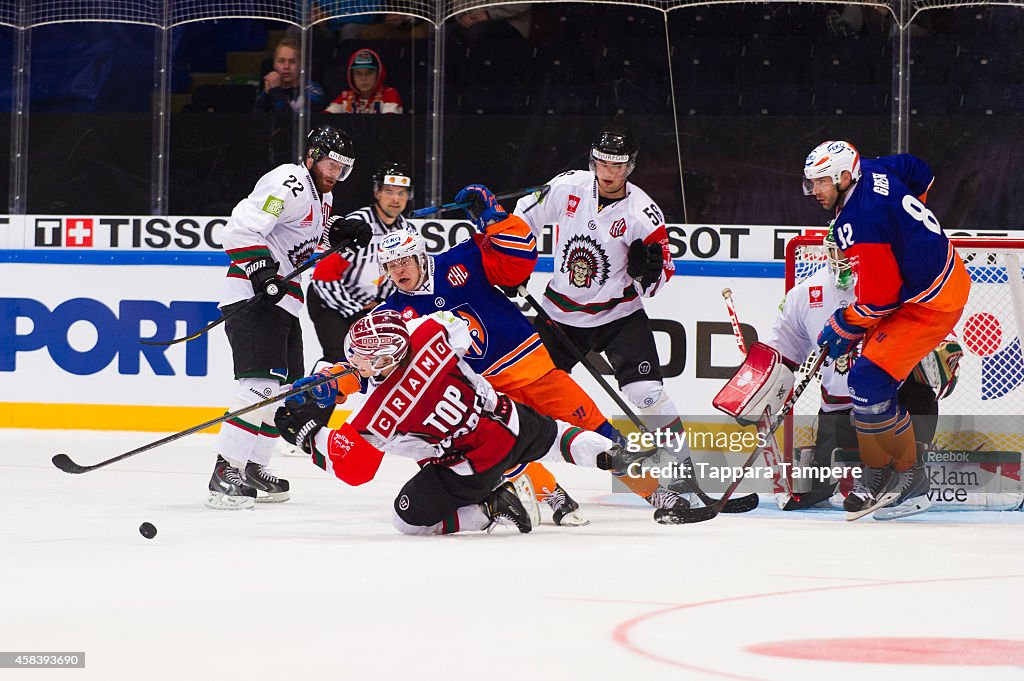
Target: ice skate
<point>668,505</point>
<point>912,485</point>
<point>269,488</point>
<point>528,496</point>
<point>873,489</point>
<point>565,510</point>
<point>228,489</point>
<point>505,508</point>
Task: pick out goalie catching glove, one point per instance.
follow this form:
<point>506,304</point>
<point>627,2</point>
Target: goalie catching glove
<point>645,262</point>
<point>763,383</point>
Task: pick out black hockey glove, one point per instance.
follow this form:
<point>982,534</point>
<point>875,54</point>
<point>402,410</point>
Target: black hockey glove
<point>340,229</point>
<point>645,262</point>
<point>299,423</point>
<point>262,272</point>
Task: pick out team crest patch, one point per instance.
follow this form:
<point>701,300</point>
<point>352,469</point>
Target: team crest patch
<point>409,313</point>
<point>457,275</point>
<point>274,206</point>
<point>572,205</point>
<point>584,261</point>
<point>815,297</point>
<point>308,220</point>
<point>618,228</point>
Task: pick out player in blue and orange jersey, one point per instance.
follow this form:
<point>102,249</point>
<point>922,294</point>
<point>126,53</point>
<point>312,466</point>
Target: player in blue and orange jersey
<point>507,350</point>
<point>911,290</point>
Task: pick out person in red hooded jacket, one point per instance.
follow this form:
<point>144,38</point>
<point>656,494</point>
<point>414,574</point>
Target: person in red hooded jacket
<point>368,91</point>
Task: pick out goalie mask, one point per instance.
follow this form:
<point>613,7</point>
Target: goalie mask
<point>838,264</point>
<point>377,342</point>
<point>614,144</point>
<point>831,159</point>
<point>762,385</point>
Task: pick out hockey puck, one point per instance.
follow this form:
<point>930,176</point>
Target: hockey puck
<point>147,530</point>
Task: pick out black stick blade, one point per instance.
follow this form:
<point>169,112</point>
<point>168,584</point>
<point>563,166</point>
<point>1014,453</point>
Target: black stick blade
<point>64,462</point>
<point>668,516</point>
<point>742,504</point>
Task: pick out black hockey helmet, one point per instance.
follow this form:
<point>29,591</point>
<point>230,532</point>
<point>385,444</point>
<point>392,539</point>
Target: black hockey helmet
<point>330,142</point>
<point>614,144</point>
<point>393,174</point>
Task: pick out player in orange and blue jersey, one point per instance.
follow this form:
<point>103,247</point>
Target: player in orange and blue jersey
<point>507,350</point>
<point>911,290</point>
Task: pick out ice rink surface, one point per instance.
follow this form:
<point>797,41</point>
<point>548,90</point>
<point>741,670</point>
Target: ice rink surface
<point>323,587</point>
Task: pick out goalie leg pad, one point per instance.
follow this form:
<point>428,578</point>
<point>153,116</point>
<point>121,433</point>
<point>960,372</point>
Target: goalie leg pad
<point>237,439</point>
<point>762,383</point>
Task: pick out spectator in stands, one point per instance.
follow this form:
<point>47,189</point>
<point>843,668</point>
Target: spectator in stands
<point>512,21</point>
<point>281,85</point>
<point>368,91</point>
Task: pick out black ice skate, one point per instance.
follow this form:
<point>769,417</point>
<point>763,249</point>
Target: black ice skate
<point>912,485</point>
<point>269,488</point>
<point>505,508</point>
<point>873,489</point>
<point>565,510</point>
<point>668,505</point>
<point>228,489</point>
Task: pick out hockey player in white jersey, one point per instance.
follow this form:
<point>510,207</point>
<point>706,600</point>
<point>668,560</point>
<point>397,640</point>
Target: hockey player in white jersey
<point>611,251</point>
<point>270,233</point>
<point>804,311</point>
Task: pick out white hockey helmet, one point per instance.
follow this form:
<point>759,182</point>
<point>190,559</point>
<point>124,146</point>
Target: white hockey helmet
<point>403,244</point>
<point>838,263</point>
<point>377,342</point>
<point>830,159</point>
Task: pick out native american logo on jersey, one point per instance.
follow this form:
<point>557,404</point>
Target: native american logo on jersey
<point>618,228</point>
<point>301,252</point>
<point>457,275</point>
<point>845,362</point>
<point>477,331</point>
<point>815,297</point>
<point>584,261</point>
<point>572,205</point>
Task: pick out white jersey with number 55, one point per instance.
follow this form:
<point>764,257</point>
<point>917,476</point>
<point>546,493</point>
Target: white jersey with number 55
<point>590,285</point>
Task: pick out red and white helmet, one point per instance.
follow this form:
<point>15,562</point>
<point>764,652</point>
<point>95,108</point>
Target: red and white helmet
<point>830,159</point>
<point>377,341</point>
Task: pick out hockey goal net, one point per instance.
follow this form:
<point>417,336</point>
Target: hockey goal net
<point>984,411</point>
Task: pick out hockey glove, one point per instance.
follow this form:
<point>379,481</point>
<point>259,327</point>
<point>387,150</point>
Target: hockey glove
<point>483,207</point>
<point>645,262</point>
<point>842,336</point>
<point>299,423</point>
<point>341,229</point>
<point>262,273</point>
<point>331,392</point>
<point>513,291</point>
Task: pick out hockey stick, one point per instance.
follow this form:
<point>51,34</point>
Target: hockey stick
<point>64,462</point>
<point>455,205</point>
<point>780,483</point>
<point>741,505</point>
<point>312,260</point>
<point>736,331</point>
<point>697,515</point>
